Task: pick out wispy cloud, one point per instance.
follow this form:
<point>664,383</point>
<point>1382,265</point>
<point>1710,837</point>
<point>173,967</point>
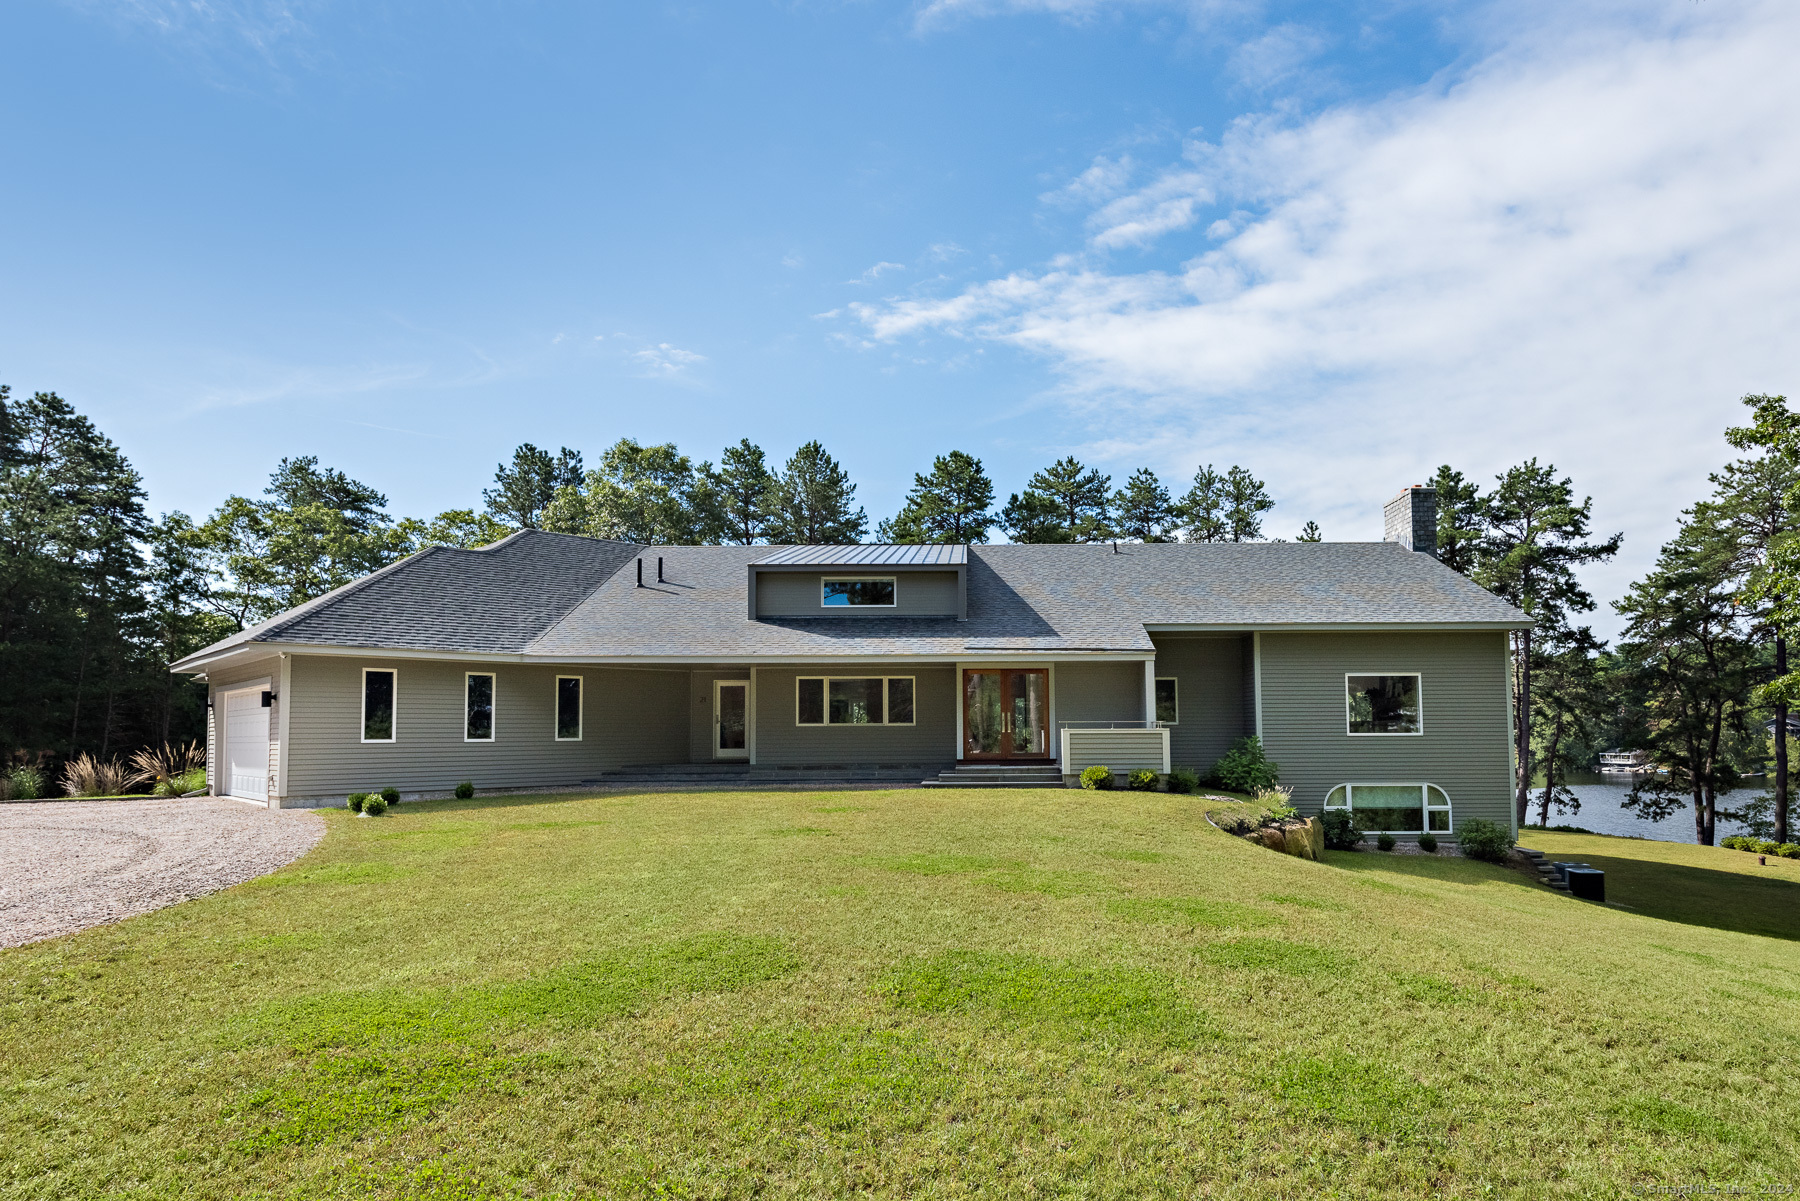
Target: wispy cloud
<point>942,12</point>
<point>1582,248</point>
<point>208,27</point>
<point>665,361</point>
<point>1276,56</point>
<point>876,272</point>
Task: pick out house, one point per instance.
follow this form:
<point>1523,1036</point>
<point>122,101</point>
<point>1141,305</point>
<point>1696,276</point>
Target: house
<point>1376,676</point>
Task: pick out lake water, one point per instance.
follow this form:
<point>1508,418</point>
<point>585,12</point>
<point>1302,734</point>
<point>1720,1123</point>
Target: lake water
<point>1600,811</point>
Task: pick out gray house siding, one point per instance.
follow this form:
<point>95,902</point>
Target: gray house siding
<point>1463,703</point>
<point>1212,680</point>
<point>780,739</point>
<point>223,680</point>
<point>797,594</point>
<point>1099,692</point>
<point>699,711</point>
<point>627,717</point>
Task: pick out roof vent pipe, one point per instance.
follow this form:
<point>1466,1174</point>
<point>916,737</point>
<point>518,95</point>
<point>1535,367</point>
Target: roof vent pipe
<point>659,578</point>
<point>640,573</point>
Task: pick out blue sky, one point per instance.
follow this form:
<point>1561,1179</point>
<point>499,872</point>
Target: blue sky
<point>1336,243</point>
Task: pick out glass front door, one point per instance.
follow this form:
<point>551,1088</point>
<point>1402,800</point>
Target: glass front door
<point>1006,714</point>
<point>731,724</point>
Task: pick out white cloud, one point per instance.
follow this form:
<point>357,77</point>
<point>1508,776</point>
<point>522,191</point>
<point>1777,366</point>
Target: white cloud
<point>941,12</point>
<point>1277,55</point>
<point>664,360</point>
<point>876,272</point>
<point>258,25</point>
<point>1581,248</point>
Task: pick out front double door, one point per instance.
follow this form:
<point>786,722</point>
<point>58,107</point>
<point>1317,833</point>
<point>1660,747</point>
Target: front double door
<point>1006,713</point>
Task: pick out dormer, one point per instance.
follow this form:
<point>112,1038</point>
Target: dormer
<point>861,581</point>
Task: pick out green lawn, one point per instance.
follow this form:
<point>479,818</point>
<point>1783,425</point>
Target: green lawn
<point>907,994</point>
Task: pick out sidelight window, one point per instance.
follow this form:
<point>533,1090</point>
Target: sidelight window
<point>378,705</point>
<point>478,706</point>
<point>568,708</point>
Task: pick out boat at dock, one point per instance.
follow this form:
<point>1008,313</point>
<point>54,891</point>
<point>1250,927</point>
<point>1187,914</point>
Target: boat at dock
<point>1625,763</point>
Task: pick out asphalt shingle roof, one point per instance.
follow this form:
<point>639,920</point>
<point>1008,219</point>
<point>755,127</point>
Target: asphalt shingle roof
<point>559,596</point>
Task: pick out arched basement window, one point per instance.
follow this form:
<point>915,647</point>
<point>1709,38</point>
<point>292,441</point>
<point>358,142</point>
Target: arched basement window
<point>1394,808</point>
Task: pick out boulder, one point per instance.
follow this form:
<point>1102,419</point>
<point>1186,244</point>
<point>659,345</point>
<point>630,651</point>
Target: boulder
<point>1298,840</point>
<point>1272,838</point>
<point>1316,828</point>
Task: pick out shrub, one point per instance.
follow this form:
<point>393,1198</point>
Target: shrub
<point>1765,847</point>
<point>1141,780</point>
<point>1341,833</point>
<point>390,795</point>
<point>1730,842</point>
<point>1428,843</point>
<point>355,801</point>
<point>26,782</point>
<point>1184,779</point>
<point>1276,801</point>
<point>85,775</point>
<point>193,781</point>
<point>1789,850</point>
<point>1481,839</point>
<point>1096,777</point>
<point>1245,768</point>
<point>376,805</point>
<point>465,790</point>
<point>1385,841</point>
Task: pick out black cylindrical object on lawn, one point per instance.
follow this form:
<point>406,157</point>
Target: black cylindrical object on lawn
<point>1587,883</point>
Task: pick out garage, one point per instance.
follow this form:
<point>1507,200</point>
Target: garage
<point>246,749</point>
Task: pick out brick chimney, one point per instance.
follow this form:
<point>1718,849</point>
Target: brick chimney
<point>1411,519</point>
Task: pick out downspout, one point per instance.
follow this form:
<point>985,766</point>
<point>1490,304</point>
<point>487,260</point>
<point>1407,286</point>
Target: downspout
<point>1256,678</point>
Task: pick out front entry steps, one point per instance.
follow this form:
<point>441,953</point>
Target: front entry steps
<point>998,775</point>
<point>745,775</point>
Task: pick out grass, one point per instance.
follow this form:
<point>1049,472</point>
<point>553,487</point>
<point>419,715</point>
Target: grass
<point>908,994</point>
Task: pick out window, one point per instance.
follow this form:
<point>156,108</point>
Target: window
<point>878,593</point>
<point>1168,701</point>
<point>1383,704</point>
<point>1394,808</point>
<point>378,705</point>
<point>568,708</point>
<point>853,700</point>
<point>478,707</point>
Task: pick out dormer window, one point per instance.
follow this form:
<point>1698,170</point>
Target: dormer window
<point>863,592</point>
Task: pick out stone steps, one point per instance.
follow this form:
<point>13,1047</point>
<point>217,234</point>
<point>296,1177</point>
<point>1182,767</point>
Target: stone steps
<point>998,775</point>
<point>1545,872</point>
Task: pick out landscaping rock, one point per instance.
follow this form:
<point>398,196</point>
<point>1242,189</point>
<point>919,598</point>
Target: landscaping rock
<point>1275,840</point>
<point>1316,828</point>
<point>1298,840</point>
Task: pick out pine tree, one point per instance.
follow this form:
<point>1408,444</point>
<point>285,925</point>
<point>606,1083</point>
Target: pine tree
<point>1082,498</point>
<point>1203,508</point>
<point>1310,533</point>
<point>1032,517</point>
<point>811,502</point>
<point>1144,509</point>
<point>743,485</point>
<point>1460,516</point>
<point>524,490</point>
<point>949,505</point>
<point>1246,500</point>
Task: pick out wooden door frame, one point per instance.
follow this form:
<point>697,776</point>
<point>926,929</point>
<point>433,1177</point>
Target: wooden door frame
<point>1047,755</point>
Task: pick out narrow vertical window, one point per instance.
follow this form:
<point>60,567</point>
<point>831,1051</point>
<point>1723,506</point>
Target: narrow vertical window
<point>478,707</point>
<point>378,705</point>
<point>809,701</point>
<point>900,701</point>
<point>568,708</point>
<point>1168,701</point>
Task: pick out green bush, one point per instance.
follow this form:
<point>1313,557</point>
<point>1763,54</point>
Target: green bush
<point>1097,777</point>
<point>1184,779</point>
<point>1730,842</point>
<point>26,782</point>
<point>375,806</point>
<point>1481,839</point>
<point>465,790</point>
<point>355,801</point>
<point>1765,847</point>
<point>1789,850</point>
<point>1341,833</point>
<point>1141,780</point>
<point>1385,841</point>
<point>1428,843</point>
<point>391,795</point>
<point>1280,811</point>
<point>1245,768</point>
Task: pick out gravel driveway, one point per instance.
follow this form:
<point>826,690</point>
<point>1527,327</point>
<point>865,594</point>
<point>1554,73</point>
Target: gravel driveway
<point>68,865</point>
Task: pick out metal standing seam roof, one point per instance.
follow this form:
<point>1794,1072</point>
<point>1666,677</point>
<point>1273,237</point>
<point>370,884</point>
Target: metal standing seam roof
<point>555,596</point>
<point>869,555</point>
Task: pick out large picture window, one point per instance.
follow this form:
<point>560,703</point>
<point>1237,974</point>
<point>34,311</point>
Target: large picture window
<point>1394,808</point>
<point>1384,704</point>
<point>568,708</point>
<point>478,706</point>
<point>877,593</point>
<point>853,701</point>
<point>1168,701</point>
<point>378,705</point>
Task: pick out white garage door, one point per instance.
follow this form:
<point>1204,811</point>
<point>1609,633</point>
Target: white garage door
<point>246,746</point>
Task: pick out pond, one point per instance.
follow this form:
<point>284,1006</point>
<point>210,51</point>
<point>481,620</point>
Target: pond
<point>1600,812</point>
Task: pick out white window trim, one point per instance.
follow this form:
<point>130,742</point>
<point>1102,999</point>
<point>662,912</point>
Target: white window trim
<point>859,579</point>
<point>887,705</point>
<point>1175,680</point>
<point>580,708</point>
<point>363,704</point>
<point>1418,733</point>
<point>493,704</point>
<point>1426,808</point>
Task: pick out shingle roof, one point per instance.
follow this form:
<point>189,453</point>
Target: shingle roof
<point>876,554</point>
<point>493,599</point>
<point>562,597</point>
